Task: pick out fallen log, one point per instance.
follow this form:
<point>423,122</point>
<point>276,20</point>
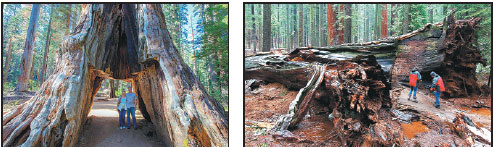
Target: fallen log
<point>355,90</point>
<point>273,68</point>
<point>445,48</point>
<point>451,55</point>
<point>467,130</point>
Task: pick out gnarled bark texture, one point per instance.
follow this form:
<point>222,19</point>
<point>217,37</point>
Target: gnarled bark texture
<point>355,91</point>
<point>126,42</point>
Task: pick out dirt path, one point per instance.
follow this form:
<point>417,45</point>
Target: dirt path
<point>102,128</point>
<point>447,112</point>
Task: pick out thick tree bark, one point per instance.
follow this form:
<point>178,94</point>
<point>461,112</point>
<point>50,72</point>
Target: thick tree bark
<point>106,44</point>
<point>384,22</point>
<point>263,67</point>
<point>41,77</point>
<point>27,56</point>
<point>331,23</point>
<point>266,28</point>
<point>355,91</point>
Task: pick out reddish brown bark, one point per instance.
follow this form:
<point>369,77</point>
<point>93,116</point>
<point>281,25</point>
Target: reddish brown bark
<point>341,32</point>
<point>384,22</point>
<point>331,22</point>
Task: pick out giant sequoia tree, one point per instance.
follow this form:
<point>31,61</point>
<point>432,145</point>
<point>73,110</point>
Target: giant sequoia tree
<point>125,42</point>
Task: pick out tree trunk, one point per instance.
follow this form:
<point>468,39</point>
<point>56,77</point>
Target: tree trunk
<point>105,45</point>
<point>321,28</point>
<point>341,32</point>
<point>254,35</point>
<point>7,62</point>
<point>27,56</point>
<point>266,28</point>
<point>431,14</point>
<point>366,25</point>
<point>406,19</point>
<point>331,23</point>
<point>41,77</point>
<point>348,23</point>
<point>289,34</point>
<point>377,22</point>
<point>384,22</point>
<point>392,19</point>
<point>112,88</point>
<point>196,69</point>
<point>301,25</point>
<point>69,15</point>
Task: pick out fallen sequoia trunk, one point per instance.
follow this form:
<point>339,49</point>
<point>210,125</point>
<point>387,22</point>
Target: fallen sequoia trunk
<point>119,42</point>
<point>446,49</point>
<point>355,90</point>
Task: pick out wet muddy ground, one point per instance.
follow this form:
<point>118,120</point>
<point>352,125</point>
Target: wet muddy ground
<point>430,126</point>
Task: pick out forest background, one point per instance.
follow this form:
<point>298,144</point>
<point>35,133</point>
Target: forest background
<point>304,25</point>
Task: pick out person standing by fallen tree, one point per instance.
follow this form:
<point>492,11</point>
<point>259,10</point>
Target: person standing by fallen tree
<point>437,86</point>
<point>414,78</point>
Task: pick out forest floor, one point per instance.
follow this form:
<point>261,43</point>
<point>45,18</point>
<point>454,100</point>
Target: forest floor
<point>102,128</point>
<point>265,104</point>
<point>13,100</point>
<point>422,130</point>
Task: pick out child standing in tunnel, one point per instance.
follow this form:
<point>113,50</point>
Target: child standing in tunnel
<point>122,107</point>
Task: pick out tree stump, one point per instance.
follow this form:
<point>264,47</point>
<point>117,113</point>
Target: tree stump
<point>127,42</point>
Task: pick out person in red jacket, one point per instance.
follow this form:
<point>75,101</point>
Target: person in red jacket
<point>438,87</point>
<point>414,78</point>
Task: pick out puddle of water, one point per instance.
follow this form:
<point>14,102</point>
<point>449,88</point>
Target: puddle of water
<point>317,128</point>
<point>412,129</point>
<point>479,111</point>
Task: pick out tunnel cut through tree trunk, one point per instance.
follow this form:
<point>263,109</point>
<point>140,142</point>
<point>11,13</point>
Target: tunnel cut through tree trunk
<point>125,42</point>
